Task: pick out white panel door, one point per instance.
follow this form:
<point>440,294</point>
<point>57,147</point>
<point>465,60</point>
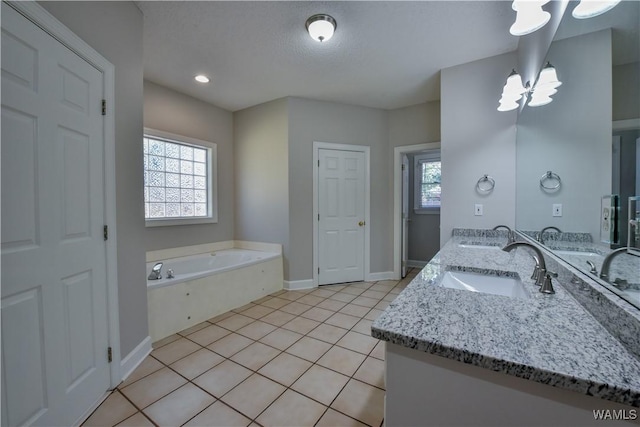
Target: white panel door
<point>341,206</point>
<point>54,305</point>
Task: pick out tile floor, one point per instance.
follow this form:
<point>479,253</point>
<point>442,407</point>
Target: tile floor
<point>293,358</point>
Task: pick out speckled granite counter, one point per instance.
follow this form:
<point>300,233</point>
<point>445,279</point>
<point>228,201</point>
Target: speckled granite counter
<point>550,339</point>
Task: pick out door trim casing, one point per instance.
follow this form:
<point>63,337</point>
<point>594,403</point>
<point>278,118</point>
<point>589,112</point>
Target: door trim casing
<point>397,198</point>
<point>317,146</point>
<point>48,23</point>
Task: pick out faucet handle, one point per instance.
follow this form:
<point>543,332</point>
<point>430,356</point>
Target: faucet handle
<point>547,286</point>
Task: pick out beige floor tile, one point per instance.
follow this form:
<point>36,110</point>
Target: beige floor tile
<point>291,409</point>
<point>276,303</point>
<point>281,338</point>
<point>322,293</point>
<point>309,349</point>
<point>352,290</point>
<point>197,363</point>
<point>222,378</point>
<point>219,415</point>
<point>395,291</point>
<point>194,328</point>
<point>137,420</point>
<point>278,318</point>
<point>255,356</point>
<point>176,350</point>
<point>382,305</point>
<point>363,327</point>
<point>342,297</point>
<point>358,342</point>
<point>365,301</point>
<point>310,300</point>
<point>342,360</point>
<point>361,285</point>
<point>152,387</point>
<point>371,372</point>
<point>285,369</point>
<point>256,330</point>
<point>208,335</point>
<point>261,300</point>
<point>235,322</point>
<point>383,287</point>
<point>291,295</point>
<point>390,283</point>
<point>320,384</point>
<point>334,288</point>
<point>180,406</point>
<point>389,297</point>
<point>165,341</point>
<point>230,345</point>
<point>148,366</point>
<point>114,409</point>
<point>373,314</point>
<point>243,308</point>
<point>317,314</point>
<point>295,308</point>
<point>342,320</point>
<point>301,325</point>
<point>362,402</point>
<point>332,418</point>
<point>331,304</point>
<point>220,317</point>
<point>327,333</point>
<point>280,292</point>
<point>369,293</point>
<point>378,351</point>
<point>355,310</point>
<point>244,398</point>
<point>257,311</point>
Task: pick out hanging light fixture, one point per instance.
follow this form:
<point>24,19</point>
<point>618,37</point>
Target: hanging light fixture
<point>545,86</point>
<point>512,92</point>
<point>591,8</point>
<point>321,27</point>
<point>529,16</point>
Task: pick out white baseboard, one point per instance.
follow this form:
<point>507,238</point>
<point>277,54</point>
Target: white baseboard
<point>382,275</point>
<point>415,263</point>
<point>133,359</point>
<point>293,285</point>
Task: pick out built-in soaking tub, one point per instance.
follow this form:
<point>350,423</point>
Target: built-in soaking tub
<point>207,284</point>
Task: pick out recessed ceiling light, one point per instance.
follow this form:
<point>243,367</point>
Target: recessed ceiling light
<point>202,79</point>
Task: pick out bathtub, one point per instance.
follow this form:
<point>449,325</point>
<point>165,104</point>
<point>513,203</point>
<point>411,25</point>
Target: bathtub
<point>208,284</point>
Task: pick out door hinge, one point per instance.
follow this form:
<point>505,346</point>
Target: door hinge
<point>110,354</point>
<point>105,232</point>
<point>104,107</point>
<point>318,163</point>
<point>318,270</point>
<point>318,217</point>
<point>403,167</point>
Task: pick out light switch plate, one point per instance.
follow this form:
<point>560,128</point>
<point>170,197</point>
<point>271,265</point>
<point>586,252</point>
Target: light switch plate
<point>478,210</point>
<point>557,209</point>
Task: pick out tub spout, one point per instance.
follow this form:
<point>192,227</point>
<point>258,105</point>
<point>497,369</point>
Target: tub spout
<point>156,272</point>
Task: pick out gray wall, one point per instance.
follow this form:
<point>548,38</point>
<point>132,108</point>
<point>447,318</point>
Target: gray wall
<point>311,121</point>
<point>424,229</point>
<point>171,111</point>
<point>114,29</point>
<point>261,162</point>
<point>476,140</point>
<point>571,137</point>
<point>626,91</point>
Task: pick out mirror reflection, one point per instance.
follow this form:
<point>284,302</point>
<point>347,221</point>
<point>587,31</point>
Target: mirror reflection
<point>578,157</point>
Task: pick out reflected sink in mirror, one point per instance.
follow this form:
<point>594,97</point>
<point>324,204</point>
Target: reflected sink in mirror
<point>488,284</point>
<point>478,246</point>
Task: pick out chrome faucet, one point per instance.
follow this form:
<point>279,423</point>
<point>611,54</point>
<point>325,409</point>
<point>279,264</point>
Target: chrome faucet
<point>604,270</point>
<point>540,273</point>
<point>540,239</point>
<point>510,233</point>
<point>592,268</point>
<point>155,272</point>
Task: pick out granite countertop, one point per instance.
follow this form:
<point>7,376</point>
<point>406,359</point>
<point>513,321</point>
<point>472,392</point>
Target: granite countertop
<point>549,339</point>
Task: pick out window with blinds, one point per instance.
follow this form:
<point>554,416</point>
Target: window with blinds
<point>427,172</point>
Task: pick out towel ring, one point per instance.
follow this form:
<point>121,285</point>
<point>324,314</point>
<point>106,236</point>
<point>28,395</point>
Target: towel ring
<point>550,176</point>
<point>488,187</point>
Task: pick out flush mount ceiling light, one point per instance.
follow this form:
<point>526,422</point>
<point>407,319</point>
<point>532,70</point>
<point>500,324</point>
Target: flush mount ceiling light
<point>529,16</point>
<point>512,92</point>
<point>201,78</point>
<point>321,27</point>
<point>591,8</point>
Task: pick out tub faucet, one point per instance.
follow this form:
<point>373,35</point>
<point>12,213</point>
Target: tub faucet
<point>510,233</point>
<point>155,272</point>
<point>592,268</point>
<point>540,273</point>
<point>540,239</point>
<point>604,270</point>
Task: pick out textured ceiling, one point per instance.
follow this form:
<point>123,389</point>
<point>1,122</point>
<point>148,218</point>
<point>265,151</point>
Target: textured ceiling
<point>383,54</point>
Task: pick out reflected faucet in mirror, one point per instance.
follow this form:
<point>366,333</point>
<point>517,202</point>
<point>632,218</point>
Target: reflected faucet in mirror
<point>511,235</point>
<point>606,264</point>
<point>540,273</point>
<point>541,239</point>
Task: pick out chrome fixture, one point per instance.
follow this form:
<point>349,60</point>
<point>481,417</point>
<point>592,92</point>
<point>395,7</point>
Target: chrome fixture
<point>170,274</point>
<point>604,270</point>
<point>511,92</point>
<point>540,238</point>
<point>529,16</point>
<point>550,176</point>
<point>534,95</point>
<point>540,273</point>
<point>155,272</point>
<point>593,269</point>
<point>485,184</point>
<point>510,233</point>
<point>546,85</point>
<point>321,27</point>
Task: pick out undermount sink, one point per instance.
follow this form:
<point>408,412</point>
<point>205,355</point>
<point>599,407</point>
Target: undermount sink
<point>475,282</point>
<point>576,253</point>
<point>467,245</point>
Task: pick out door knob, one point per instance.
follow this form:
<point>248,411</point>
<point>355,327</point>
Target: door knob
<point>361,223</point>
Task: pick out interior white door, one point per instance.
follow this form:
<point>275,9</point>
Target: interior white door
<point>341,208</point>
<point>405,215</point>
<point>54,304</point>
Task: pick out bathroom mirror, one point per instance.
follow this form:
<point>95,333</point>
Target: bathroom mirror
<point>588,136</point>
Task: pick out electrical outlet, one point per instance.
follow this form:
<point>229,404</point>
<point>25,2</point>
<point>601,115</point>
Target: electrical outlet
<point>478,210</point>
<point>557,209</point>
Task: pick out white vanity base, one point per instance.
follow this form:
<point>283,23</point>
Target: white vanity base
<point>427,390</point>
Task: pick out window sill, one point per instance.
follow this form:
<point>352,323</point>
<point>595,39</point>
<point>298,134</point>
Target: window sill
<point>434,211</point>
<point>178,221</point>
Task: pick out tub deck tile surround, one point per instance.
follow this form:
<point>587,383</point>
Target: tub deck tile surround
<point>551,339</point>
<point>320,367</point>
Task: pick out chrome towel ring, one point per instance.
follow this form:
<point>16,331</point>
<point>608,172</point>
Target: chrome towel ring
<point>485,184</point>
<point>548,179</point>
